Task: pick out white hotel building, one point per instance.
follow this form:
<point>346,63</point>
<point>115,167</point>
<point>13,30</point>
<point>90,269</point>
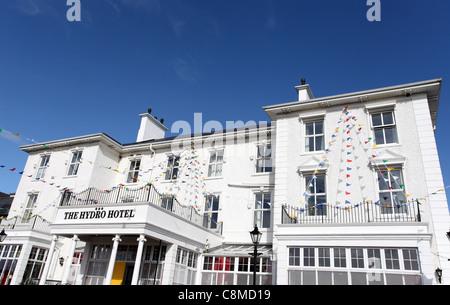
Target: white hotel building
<point>346,190</point>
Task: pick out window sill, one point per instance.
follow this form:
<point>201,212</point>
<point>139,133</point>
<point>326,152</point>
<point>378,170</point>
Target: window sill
<point>261,174</point>
<point>387,145</point>
<point>214,178</point>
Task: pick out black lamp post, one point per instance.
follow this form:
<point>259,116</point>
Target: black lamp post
<point>256,237</point>
<point>3,235</point>
<point>439,275</point>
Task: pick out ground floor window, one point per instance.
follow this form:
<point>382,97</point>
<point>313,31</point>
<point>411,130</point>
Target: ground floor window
<point>35,265</point>
<point>153,265</point>
<point>218,270</point>
<point>98,264</point>
<point>9,255</point>
<point>185,267</point>
<point>353,266</point>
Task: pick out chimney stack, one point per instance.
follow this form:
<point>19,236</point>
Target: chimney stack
<point>304,91</point>
<point>151,128</point>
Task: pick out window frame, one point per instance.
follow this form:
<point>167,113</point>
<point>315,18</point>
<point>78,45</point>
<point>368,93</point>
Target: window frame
<point>172,169</point>
<point>384,126</point>
<point>389,207</point>
<point>315,210</point>
<point>29,207</point>
<point>262,160</point>
<point>74,163</point>
<point>42,168</point>
<point>215,163</point>
<point>314,135</point>
<point>133,171</point>
<point>211,212</point>
<point>262,210</point>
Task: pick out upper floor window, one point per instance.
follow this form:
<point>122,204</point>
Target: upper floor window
<point>384,127</point>
<point>42,167</point>
<point>28,212</point>
<point>391,188</point>
<point>173,163</point>
<point>314,136</point>
<point>215,163</point>
<point>317,197</point>
<point>262,210</point>
<point>211,216</point>
<point>264,159</point>
<point>133,172</point>
<point>74,163</point>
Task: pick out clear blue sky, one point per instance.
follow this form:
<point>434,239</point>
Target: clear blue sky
<point>223,58</point>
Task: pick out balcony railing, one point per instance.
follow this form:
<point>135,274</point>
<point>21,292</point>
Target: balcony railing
<point>34,223</point>
<point>148,193</point>
<point>366,212</point>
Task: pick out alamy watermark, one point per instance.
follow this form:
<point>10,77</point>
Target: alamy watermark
<point>74,12</point>
<point>212,135</point>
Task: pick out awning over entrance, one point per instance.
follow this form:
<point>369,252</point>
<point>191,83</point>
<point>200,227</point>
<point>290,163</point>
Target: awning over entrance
<point>240,250</point>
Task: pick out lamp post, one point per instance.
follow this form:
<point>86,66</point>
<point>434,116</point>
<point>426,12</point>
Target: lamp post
<point>3,235</point>
<point>256,237</point>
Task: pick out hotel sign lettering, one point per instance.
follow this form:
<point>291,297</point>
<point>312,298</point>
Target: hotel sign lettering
<point>100,213</point>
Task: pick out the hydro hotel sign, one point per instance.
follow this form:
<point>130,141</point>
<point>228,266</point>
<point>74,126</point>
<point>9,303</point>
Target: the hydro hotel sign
<point>97,214</point>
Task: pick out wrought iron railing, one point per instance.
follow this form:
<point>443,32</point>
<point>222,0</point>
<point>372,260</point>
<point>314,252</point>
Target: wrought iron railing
<point>123,194</point>
<point>366,212</point>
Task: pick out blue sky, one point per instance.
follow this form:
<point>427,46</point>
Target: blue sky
<point>223,58</point>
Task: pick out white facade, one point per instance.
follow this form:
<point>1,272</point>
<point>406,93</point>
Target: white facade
<point>111,203</point>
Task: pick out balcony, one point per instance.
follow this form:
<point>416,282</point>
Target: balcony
<point>366,212</point>
<point>123,197</point>
<point>30,224</point>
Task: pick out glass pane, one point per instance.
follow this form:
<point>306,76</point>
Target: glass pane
<point>320,184</point>
<point>309,129</point>
<point>388,118</point>
<point>391,135</point>
<point>319,128</point>
<point>258,201</point>
<point>376,119</point>
<point>213,157</point>
<point>218,170</point>
<point>375,278</point>
<point>340,278</point>
<point>309,278</point>
<point>295,277</point>
<point>266,219</point>
<point>220,156</point>
<point>325,278</point>
<point>394,279</point>
<point>266,201</point>
<point>383,180</point>
<point>379,136</point>
<point>319,143</point>
<point>358,278</point>
<point>211,171</point>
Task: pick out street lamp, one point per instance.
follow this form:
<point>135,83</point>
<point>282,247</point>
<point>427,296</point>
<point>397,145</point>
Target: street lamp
<point>3,235</point>
<point>439,275</point>
<point>256,237</point>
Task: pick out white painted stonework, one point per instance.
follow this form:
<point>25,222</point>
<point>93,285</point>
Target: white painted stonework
<point>119,201</point>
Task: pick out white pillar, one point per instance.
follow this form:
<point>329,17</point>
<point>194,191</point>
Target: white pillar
<point>69,260</point>
<point>137,263</point>
<point>49,261</point>
<point>112,260</point>
<point>169,265</point>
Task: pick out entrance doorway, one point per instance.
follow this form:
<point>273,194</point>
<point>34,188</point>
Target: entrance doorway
<point>123,273</point>
<point>128,276</point>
